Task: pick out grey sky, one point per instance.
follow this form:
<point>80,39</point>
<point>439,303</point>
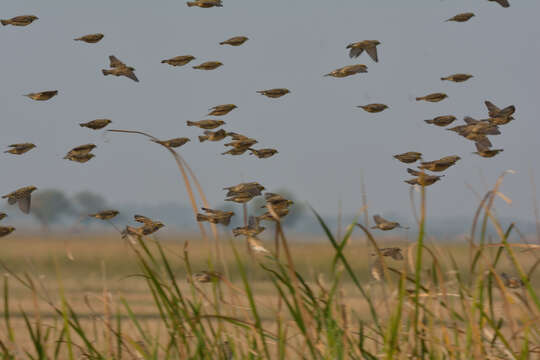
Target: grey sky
<point>325,142</point>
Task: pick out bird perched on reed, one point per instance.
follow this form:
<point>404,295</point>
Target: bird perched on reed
<point>90,38</point>
<point>19,149</point>
<point>276,200</point>
<point>393,252</point>
<point>118,68</point>
<point>22,20</point>
<point>22,196</point>
<point>274,93</point>
<point>457,77</point>
<point>439,165</point>
<point>205,3</point>
<point>408,157</point>
<point>348,71</point>
<point>383,224</point>
<point>6,230</point>
<point>251,229</point>
<point>213,135</point>
<point>96,124</point>
<point>235,41</point>
<point>370,46</point>
<point>486,152</point>
<point>3,215</point>
<point>462,17</point>
<point>503,3</point>
<point>422,178</point>
<point>178,60</point>
<point>206,124</point>
<point>42,95</point>
<point>435,97</point>
<point>80,150</point>
<point>208,65</point>
<point>263,153</point>
<point>105,215</point>
<point>221,110</point>
<point>207,276</point>
<point>215,216</point>
<point>373,108</point>
<point>442,121</point>
<point>173,143</point>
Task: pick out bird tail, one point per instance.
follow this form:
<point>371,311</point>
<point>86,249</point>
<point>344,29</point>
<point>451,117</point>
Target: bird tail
<point>105,72</point>
<point>191,3</point>
<point>78,39</point>
<point>222,43</point>
<point>429,121</point>
<point>202,217</point>
<point>163,61</point>
<point>82,125</point>
<point>4,22</point>
<point>203,138</point>
<point>262,91</point>
<point>419,98</point>
<point>190,123</point>
<point>445,78</point>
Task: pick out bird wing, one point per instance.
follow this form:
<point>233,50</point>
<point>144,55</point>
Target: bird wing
<point>378,219</point>
<point>355,52</point>
<point>492,109</point>
<point>24,204</point>
<point>413,172</point>
<point>130,74</point>
<point>143,219</point>
<point>469,120</point>
<point>507,111</point>
<point>503,3</point>
<point>115,62</point>
<point>372,52</point>
<point>485,142</point>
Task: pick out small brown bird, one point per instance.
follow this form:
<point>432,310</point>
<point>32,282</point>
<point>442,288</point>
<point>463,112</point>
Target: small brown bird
<point>373,108</point>
<point>105,215</point>
<point>394,253</point>
<point>245,187</point>
<point>215,216</point>
<point>241,198</point>
<point>274,93</point>
<point>435,97</point>
<point>19,149</point>
<point>235,41</point>
<point>503,3</point>
<point>205,3</point>
<point>209,65</point>
<point>235,151</point>
<point>2,216</point>
<point>206,124</point>
<point>348,71</point>
<point>408,157</point>
<point>257,246</point>
<point>486,152</point>
<point>370,46</point>
<point>422,178</point>
<point>213,135</point>
<point>90,38</point>
<point>243,143</point>
<point>457,77</point>
<point>144,230</point>
<point>178,60</point>
<point>80,150</point>
<point>207,276</point>
<point>22,20</point>
<point>383,224</point>
<point>512,282</point>
<point>251,229</point>
<point>263,153</point>
<point>118,68</point>
<point>276,200</point>
<point>495,112</point>
<point>442,121</point>
<point>80,158</point>
<point>173,143</point>
<point>6,230</point>
<point>21,196</point>
<point>96,124</point>
<point>43,95</point>
<point>221,110</point>
<point>462,17</point>
<point>236,136</point>
<point>439,165</point>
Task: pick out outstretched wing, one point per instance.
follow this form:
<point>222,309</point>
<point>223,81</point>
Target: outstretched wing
<point>130,74</point>
<point>503,3</point>
<point>143,219</point>
<point>372,52</point>
<point>24,204</point>
<point>492,109</point>
<point>413,172</point>
<point>115,62</point>
<point>378,219</point>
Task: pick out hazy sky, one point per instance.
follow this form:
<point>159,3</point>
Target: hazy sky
<point>325,143</point>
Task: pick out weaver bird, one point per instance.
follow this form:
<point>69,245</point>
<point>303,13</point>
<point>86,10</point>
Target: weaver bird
<point>235,151</point>
<point>6,230</point>
<point>19,149</point>
<point>21,196</point>
<point>236,136</point>
<point>394,253</point>
<point>439,165</point>
<point>245,187</point>
<point>370,46</point>
<point>207,276</point>
<point>495,112</point>
<point>263,153</point>
<point>422,178</point>
<point>80,158</point>
<point>80,150</point>
<point>118,68</point>
<point>96,124</point>
<point>221,110</point>
<point>348,71</point>
<point>209,65</point>
<point>276,200</point>
<point>22,20</point>
<point>178,60</point>
<point>457,77</point>
<point>373,108</point>
<point>205,3</point>
<point>243,143</point>
<point>435,97</point>
<point>173,143</point>
<point>105,215</point>
<point>462,17</point>
<point>235,41</point>
<point>90,38</point>
<point>442,121</point>
<point>280,212</point>
<point>206,124</point>
<point>251,229</point>
<point>274,93</point>
<point>213,135</point>
<point>408,157</point>
<point>43,95</point>
<point>486,152</point>
<point>215,216</point>
<point>503,3</point>
<point>383,224</point>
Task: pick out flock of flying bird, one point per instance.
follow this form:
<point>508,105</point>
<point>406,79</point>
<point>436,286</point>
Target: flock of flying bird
<point>277,206</point>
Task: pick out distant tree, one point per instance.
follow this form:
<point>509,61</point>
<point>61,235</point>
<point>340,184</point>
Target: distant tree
<point>49,206</point>
<point>88,202</point>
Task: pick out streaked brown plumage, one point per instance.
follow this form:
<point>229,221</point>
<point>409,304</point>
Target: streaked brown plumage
<point>503,3</point>
<point>422,178</point>
<point>80,150</point>
<point>208,65</point>
<point>243,143</point>
<point>251,229</point>
<point>235,151</point>
<point>80,158</point>
<point>205,3</point>
<point>21,196</point>
<point>393,252</point>
<point>348,71</point>
<point>457,77</point>
<point>241,198</point>
<point>6,230</point>
<point>244,187</point>
<point>144,230</point>
<point>178,60</point>
<point>263,153</point>
<point>19,149</point>
<point>408,157</point>
<point>22,20</point>
<point>213,135</point>
<point>118,68</point>
<point>235,41</point>
<point>439,165</point>
<point>206,124</point>
<point>43,95</point>
<point>435,97</point>
<point>3,215</point>
<point>96,124</point>
<point>370,46</point>
<point>495,112</point>
<point>462,17</point>
<point>221,110</point>
<point>236,136</point>
<point>207,276</point>
<point>442,121</point>
<point>280,211</point>
<point>90,38</point>
<point>383,224</point>
<point>373,108</point>
<point>105,215</point>
<point>274,93</point>
<point>173,143</point>
<point>486,152</point>
<point>215,216</point>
